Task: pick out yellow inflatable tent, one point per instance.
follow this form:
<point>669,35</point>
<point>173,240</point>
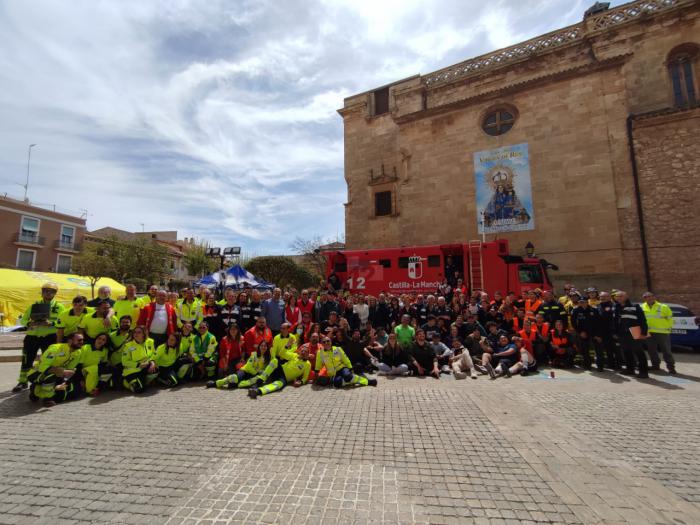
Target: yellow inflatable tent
<point>19,289</point>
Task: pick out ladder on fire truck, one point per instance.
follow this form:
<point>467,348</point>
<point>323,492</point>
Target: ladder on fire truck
<point>476,271</point>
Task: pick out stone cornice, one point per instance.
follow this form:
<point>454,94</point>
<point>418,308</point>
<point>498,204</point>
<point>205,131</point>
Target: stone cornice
<point>544,44</point>
<point>514,87</point>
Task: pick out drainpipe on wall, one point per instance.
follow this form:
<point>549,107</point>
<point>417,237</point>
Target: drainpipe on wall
<point>638,198</point>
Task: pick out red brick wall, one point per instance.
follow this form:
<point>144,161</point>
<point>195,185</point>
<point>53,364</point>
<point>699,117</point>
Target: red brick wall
<point>668,158</point>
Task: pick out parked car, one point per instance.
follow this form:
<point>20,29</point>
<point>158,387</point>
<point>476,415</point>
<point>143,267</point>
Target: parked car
<point>686,327</point>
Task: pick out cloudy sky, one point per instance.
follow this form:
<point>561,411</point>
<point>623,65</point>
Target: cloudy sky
<point>218,118</point>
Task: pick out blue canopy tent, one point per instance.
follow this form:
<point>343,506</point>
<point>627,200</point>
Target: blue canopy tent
<point>235,277</point>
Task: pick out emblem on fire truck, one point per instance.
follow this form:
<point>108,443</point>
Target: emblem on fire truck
<point>415,267</point>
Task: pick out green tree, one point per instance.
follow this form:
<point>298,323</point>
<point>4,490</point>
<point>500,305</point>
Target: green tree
<point>197,261</point>
<point>137,258</point>
<point>282,271</point>
<point>94,262</point>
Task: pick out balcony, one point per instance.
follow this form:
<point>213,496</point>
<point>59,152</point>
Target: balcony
<point>29,239</point>
<point>66,246</point>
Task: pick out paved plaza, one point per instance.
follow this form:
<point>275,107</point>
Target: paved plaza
<point>580,448</point>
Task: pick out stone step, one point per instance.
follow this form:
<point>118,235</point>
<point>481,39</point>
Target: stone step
<point>9,355</point>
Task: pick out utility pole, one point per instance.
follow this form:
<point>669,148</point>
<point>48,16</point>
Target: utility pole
<point>29,158</point>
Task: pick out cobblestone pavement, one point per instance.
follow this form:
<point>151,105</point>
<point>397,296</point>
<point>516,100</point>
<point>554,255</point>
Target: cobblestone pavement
<point>581,448</point>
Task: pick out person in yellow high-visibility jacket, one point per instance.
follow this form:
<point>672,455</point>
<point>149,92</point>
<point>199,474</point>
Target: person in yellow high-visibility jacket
<point>338,366</point>
<point>41,330</point>
<point>137,359</point>
<point>166,356</point>
<point>53,378</point>
<point>204,352</point>
<point>117,339</point>
<point>295,370</point>
<point>70,318</point>
<point>94,365</point>
<point>98,323</point>
<point>659,318</point>
<point>284,344</point>
<point>185,360</point>
<point>256,370</point>
<point>189,309</point>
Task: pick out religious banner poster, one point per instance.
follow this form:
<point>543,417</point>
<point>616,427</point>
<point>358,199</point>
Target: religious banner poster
<point>503,190</point>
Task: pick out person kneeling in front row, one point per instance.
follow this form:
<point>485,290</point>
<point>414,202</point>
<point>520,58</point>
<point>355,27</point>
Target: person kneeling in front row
<point>256,371</point>
<point>294,370</point>
<point>54,378</point>
<point>338,367</point>
<point>137,358</point>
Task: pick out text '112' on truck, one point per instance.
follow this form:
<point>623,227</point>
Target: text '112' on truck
<point>484,266</point>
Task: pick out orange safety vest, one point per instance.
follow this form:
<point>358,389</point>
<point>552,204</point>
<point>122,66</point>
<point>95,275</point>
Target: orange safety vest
<point>560,341</point>
<point>530,337</point>
<point>543,329</point>
<point>531,308</point>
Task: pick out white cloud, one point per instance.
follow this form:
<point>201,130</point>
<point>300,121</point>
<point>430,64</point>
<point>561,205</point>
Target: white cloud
<point>217,118</point>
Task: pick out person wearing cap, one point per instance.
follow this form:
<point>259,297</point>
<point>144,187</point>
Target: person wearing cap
<point>660,320</point>
<point>70,318</point>
<point>338,366</point>
<point>592,295</point>
<point>632,328</point>
<point>41,331</point>
<point>587,325</point>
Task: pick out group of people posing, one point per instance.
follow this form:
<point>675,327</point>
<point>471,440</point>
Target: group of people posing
<point>263,341</point>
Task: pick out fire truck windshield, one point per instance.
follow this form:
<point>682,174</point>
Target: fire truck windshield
<point>530,274</point>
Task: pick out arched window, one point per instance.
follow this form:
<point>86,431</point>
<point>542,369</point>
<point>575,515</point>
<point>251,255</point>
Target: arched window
<point>682,65</point>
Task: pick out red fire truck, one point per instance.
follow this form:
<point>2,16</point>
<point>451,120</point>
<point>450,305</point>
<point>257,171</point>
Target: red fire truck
<point>483,266</point>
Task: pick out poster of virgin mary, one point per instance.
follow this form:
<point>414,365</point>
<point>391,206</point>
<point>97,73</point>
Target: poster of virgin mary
<point>503,190</point>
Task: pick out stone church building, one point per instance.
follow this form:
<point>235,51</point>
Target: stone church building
<point>604,119</point>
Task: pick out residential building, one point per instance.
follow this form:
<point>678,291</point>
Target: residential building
<point>38,238</point>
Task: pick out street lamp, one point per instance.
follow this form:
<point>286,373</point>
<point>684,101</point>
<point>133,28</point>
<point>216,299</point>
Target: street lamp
<point>530,249</point>
<point>231,251</point>
<point>29,158</point>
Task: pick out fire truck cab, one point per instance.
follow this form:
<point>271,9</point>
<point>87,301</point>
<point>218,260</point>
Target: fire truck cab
<point>485,266</point>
